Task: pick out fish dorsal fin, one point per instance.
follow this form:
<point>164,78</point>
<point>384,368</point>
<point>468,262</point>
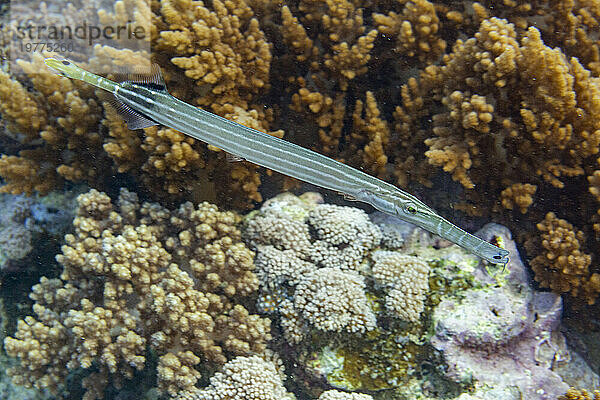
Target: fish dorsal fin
<point>132,118</point>
<point>149,76</point>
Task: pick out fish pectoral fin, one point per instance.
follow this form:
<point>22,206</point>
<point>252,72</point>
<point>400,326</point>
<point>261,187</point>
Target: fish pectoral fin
<point>347,196</point>
<point>132,118</point>
<point>233,158</point>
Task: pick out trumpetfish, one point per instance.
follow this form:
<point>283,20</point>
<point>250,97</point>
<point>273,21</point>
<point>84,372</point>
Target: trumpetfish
<point>146,102</point>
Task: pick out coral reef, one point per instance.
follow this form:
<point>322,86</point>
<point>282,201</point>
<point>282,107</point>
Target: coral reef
<point>478,320</point>
<point>405,90</point>
<point>137,276</point>
<point>500,96</point>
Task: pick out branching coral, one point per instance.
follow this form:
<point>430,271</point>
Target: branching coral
<point>574,394</point>
<point>226,61</point>
<point>555,113</point>
<point>518,196</point>
<point>330,51</point>
<point>562,265</point>
<point>137,276</point>
<point>415,30</point>
<point>222,51</point>
<point>58,127</point>
<point>227,69</point>
<point>479,82</point>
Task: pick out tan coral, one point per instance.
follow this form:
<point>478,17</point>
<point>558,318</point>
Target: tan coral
<point>138,276</point>
<point>406,279</point>
<point>416,30</point>
<point>337,395</point>
<point>296,37</point>
<point>574,394</point>
<point>563,266</point>
<point>489,122</point>
<point>327,112</point>
<point>59,127</point>
<point>213,50</point>
<point>372,130</point>
<point>351,61</point>
<point>243,378</point>
<point>334,300</point>
<point>518,195</point>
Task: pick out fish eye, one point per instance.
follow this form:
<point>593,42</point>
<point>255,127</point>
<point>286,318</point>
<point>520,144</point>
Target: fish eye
<point>65,62</point>
<point>410,209</point>
<point>497,257</point>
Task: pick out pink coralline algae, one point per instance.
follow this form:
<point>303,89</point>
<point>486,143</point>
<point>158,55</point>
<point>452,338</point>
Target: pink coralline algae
<point>505,337</point>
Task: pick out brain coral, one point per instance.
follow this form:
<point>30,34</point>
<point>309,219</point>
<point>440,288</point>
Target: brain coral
<point>138,276</point>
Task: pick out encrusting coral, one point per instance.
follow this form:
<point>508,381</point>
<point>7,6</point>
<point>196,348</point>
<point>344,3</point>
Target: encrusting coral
<point>139,276</point>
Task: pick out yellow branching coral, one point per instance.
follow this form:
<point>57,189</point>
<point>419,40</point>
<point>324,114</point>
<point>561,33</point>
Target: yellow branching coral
<point>518,195</point>
<point>562,265</point>
<point>372,130</point>
<point>345,50</point>
<point>594,189</point>
<point>138,276</point>
<point>327,113</point>
<point>490,122</point>
<point>574,394</point>
<point>416,30</point>
<point>59,126</point>
<point>296,38</point>
<point>215,57</point>
<point>351,61</point>
<point>223,51</point>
